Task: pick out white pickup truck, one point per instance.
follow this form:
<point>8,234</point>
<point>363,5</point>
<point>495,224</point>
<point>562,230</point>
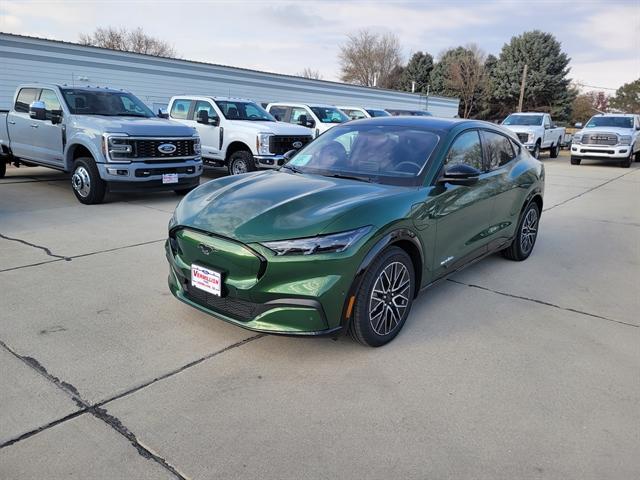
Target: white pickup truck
<point>536,131</point>
<point>608,137</point>
<point>317,118</point>
<point>356,113</point>
<point>237,133</point>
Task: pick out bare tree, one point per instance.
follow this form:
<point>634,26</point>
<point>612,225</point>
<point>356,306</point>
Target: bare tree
<point>369,59</point>
<point>467,76</point>
<point>128,41</point>
<point>310,73</point>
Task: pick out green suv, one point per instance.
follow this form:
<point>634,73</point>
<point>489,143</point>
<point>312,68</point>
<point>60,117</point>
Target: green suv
<point>345,235</point>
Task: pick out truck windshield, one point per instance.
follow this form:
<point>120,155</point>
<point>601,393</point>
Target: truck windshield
<point>378,113</point>
<point>619,122</point>
<point>526,120</point>
<point>235,110</point>
<point>114,104</point>
<point>394,155</point>
<point>329,114</point>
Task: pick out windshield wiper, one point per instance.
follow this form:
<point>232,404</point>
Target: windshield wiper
<point>129,115</point>
<point>350,177</point>
<point>292,168</point>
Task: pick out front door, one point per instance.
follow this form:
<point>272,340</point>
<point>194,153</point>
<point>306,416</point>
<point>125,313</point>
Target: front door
<point>48,136</point>
<point>210,139</point>
<point>461,213</point>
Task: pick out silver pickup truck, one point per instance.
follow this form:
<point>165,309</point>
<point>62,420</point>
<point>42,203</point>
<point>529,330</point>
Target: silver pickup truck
<point>108,139</point>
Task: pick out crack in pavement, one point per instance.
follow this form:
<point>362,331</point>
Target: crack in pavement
<point>587,191</point>
<point>45,249</point>
<point>542,302</point>
<point>101,413</point>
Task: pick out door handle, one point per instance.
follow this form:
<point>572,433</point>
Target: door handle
<point>33,125</point>
<point>10,122</point>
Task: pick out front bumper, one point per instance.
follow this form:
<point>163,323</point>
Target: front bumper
<point>603,152</point>
<point>139,174</point>
<point>291,295</point>
<point>269,161</point>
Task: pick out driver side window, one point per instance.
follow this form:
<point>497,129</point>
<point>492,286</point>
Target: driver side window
<point>466,149</point>
<point>201,105</point>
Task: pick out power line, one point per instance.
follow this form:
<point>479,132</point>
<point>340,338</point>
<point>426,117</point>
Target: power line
<point>594,86</point>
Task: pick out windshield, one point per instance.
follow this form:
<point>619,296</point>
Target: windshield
<point>378,113</point>
<point>526,120</point>
<point>329,114</point>
<point>93,102</point>
<point>385,154</point>
<point>619,122</point>
<point>237,110</point>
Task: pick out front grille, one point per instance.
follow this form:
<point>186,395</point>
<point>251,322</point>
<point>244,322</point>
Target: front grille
<point>232,307</point>
<point>600,139</point>
<point>523,137</point>
<point>148,149</point>
<point>281,144</point>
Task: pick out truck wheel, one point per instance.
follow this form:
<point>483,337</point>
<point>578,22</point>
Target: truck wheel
<point>3,168</point>
<point>536,151</point>
<point>555,150</point>
<point>626,163</point>
<point>87,185</point>
<point>638,156</point>
<point>575,161</point>
<point>241,162</point>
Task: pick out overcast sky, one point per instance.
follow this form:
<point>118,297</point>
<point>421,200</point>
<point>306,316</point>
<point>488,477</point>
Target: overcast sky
<point>602,37</point>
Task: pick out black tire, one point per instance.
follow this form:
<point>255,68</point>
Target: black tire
<point>183,191</point>
<point>87,185</point>
<point>626,163</point>
<point>241,162</point>
<point>638,156</point>
<point>555,150</point>
<point>3,168</point>
<point>381,329</point>
<point>536,151</point>
<point>521,247</point>
<point>575,161</point>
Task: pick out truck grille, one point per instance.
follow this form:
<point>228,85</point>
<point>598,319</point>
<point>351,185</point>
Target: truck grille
<point>523,137</point>
<point>280,144</point>
<point>232,307</point>
<point>148,149</point>
<point>600,139</point>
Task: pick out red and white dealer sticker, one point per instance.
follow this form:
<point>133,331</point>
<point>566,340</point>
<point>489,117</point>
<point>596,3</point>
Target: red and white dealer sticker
<point>206,279</point>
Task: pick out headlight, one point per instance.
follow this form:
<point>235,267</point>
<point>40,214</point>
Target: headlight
<point>577,138</point>
<point>262,143</point>
<point>196,145</point>
<point>530,138</point>
<point>117,147</point>
<point>624,140</point>
<point>336,242</point>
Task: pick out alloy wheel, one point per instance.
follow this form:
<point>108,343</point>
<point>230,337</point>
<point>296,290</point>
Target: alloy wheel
<point>389,298</point>
<point>529,231</point>
<point>81,182</point>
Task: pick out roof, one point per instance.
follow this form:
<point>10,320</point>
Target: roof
<point>87,87</point>
<point>429,123</point>
<point>296,104</point>
<point>529,113</point>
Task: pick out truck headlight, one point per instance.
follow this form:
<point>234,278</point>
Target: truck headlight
<point>530,138</point>
<point>333,243</point>
<point>577,138</point>
<point>262,143</point>
<point>197,149</point>
<point>624,140</point>
<point>117,147</point>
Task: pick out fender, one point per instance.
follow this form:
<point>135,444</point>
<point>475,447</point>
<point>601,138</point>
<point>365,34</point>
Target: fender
<point>388,239</point>
<point>87,142</point>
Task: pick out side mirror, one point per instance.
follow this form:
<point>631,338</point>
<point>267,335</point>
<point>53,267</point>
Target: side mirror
<point>38,111</point>
<point>203,117</point>
<point>56,116</point>
<point>289,154</point>
<point>302,120</point>
<point>311,123</point>
<point>162,113</point>
<point>578,125</point>
<point>460,174</point>
<point>277,117</point>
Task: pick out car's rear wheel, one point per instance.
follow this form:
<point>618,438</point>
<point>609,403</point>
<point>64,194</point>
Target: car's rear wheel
<point>384,299</point>
<point>526,235</point>
<point>555,150</point>
<point>575,161</point>
<point>241,162</point>
<point>87,185</point>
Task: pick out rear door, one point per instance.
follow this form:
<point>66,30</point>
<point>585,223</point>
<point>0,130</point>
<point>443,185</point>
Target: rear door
<point>20,124</point>
<point>462,213</point>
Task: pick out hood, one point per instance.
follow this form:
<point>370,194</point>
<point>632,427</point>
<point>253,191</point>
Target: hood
<point>523,128</point>
<point>277,128</point>
<point>278,205</point>
<point>135,126</point>
<point>603,130</point>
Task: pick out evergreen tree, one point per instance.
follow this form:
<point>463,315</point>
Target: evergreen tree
<point>627,98</point>
<point>547,86</point>
<point>417,70</point>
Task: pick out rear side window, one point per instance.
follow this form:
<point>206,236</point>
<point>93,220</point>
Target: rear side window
<point>180,109</point>
<point>466,149</point>
<point>26,97</point>
<point>498,149</point>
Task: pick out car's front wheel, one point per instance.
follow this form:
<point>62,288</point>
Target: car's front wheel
<point>384,299</point>
<point>241,162</point>
<point>526,235</point>
<point>576,161</point>
<point>536,151</point>
<point>3,168</point>
<point>87,185</point>
<point>626,163</point>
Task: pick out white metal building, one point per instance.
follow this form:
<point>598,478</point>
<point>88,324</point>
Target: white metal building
<point>155,80</point>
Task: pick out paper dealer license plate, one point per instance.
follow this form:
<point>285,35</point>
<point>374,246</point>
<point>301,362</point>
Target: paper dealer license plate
<point>169,178</point>
<point>206,279</point>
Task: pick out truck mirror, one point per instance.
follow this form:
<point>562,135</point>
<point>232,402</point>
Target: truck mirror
<point>203,117</point>
<point>302,120</point>
<point>56,116</point>
<point>578,125</point>
<point>38,111</point>
<point>162,113</point>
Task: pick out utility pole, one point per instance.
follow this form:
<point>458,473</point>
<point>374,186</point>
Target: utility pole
<point>413,86</point>
<point>524,81</point>
<point>426,107</point>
